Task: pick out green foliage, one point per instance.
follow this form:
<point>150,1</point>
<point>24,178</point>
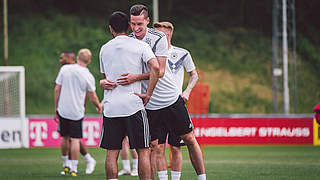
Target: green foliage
<point>36,42</point>
<point>236,61</point>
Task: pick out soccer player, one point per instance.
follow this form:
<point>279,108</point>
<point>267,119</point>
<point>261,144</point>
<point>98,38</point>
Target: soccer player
<point>72,83</point>
<point>179,60</point>
<point>166,108</point>
<point>124,112</point>
<point>68,57</point>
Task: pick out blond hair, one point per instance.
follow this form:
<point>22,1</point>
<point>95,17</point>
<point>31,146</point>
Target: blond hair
<point>84,55</point>
<point>164,24</point>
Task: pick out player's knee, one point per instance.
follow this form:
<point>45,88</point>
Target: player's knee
<point>154,145</point>
<point>189,139</point>
<point>175,150</point>
<point>161,148</point>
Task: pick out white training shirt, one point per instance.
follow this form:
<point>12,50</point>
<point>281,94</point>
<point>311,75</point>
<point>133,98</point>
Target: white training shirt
<point>75,81</point>
<point>123,55</point>
<point>166,91</point>
<point>179,59</point>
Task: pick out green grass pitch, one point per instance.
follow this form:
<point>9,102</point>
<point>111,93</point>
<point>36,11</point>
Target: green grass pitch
<point>221,162</point>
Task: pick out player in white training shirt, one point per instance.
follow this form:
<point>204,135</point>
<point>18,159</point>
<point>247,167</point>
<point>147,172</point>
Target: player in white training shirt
<point>179,60</point>
<point>68,57</point>
<point>124,112</point>
<point>166,108</point>
<point>72,84</point>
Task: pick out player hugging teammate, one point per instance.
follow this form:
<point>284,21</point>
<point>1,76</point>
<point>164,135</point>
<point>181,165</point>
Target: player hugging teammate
<point>141,97</point>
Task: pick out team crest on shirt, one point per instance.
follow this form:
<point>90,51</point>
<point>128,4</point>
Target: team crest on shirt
<point>174,56</point>
<point>178,64</point>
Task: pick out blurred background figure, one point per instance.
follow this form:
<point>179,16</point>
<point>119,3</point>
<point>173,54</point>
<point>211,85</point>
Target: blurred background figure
<point>316,110</point>
<point>124,153</point>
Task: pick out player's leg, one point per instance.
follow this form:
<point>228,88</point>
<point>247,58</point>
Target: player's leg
<point>155,122</point>
<point>76,135</point>
<point>153,158</point>
<point>144,168</point>
<point>112,134</point>
<point>176,161</point>
<point>194,153</point>
<point>139,138</point>
<point>162,163</point>
<point>75,151</point>
<point>90,161</point>
<point>111,164</point>
<point>66,164</point>
<point>83,149</point>
<point>63,129</point>
<point>134,155</point>
<point>183,127</point>
<point>124,154</point>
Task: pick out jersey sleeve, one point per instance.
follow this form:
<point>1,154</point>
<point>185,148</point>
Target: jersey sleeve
<point>59,77</point>
<point>91,83</point>
<point>147,53</point>
<point>161,47</point>
<point>188,63</point>
<point>101,61</point>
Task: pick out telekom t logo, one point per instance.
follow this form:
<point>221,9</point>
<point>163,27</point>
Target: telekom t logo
<point>38,131</point>
<point>91,130</point>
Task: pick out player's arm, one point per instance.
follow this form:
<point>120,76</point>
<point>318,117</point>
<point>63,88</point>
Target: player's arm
<point>57,91</point>
<point>153,79</point>
<point>162,60</point>
<point>94,99</point>
<point>107,84</point>
<point>128,78</point>
<point>192,82</point>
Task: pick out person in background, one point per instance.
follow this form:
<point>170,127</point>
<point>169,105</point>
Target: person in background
<point>72,84</point>
<point>124,154</point>
<point>68,57</point>
<point>179,60</point>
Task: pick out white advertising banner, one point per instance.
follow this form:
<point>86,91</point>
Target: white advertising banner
<point>11,133</point>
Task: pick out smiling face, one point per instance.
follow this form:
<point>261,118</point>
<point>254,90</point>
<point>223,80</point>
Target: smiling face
<point>139,25</point>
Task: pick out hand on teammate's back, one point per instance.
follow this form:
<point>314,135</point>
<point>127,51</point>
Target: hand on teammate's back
<point>145,98</point>
<point>107,84</point>
<point>127,78</point>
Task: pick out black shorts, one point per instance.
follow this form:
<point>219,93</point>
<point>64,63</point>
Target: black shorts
<point>136,127</point>
<point>71,128</point>
<point>173,119</point>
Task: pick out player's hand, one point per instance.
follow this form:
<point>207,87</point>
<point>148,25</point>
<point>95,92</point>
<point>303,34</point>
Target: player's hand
<point>56,119</point>
<point>145,98</point>
<point>127,78</point>
<point>185,96</point>
<point>107,84</point>
<point>100,108</point>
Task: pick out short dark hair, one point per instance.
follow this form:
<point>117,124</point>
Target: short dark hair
<point>119,22</point>
<point>138,9</point>
<point>69,54</point>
